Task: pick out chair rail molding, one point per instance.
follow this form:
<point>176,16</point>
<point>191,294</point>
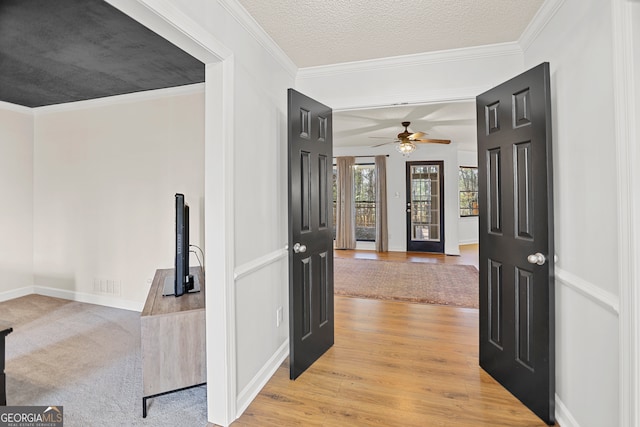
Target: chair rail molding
<point>259,263</point>
<point>596,294</point>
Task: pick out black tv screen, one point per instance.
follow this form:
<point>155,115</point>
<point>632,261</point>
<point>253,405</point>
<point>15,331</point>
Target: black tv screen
<point>183,280</point>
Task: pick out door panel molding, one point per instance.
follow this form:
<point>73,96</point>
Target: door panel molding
<point>494,191</point>
<point>517,299</point>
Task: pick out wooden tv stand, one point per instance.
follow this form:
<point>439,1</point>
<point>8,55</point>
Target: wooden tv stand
<point>173,339</point>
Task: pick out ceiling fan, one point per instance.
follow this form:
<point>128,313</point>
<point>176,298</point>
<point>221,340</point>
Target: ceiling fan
<point>407,140</point>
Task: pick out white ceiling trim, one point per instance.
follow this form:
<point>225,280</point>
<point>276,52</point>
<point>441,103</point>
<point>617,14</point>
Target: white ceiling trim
<point>121,99</point>
<point>7,106</point>
<point>247,22</point>
<point>443,56</point>
<point>423,98</point>
<point>540,20</point>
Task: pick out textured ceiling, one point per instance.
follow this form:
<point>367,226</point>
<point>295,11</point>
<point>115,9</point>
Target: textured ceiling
<point>53,52</point>
<point>315,33</point>
<point>325,32</point>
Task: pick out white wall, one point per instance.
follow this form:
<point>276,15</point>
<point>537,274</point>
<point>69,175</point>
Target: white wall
<point>577,43</point>
<point>105,176</point>
<point>260,216</point>
<point>16,209</point>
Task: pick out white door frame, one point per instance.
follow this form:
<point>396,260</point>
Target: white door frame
<point>628,181</point>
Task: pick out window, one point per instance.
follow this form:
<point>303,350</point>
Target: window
<point>364,183</point>
<point>364,191</point>
<point>468,186</point>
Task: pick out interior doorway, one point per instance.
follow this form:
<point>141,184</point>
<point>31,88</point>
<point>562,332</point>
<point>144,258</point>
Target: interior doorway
<point>219,75</point>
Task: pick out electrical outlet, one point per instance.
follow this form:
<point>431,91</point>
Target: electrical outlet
<point>278,316</point>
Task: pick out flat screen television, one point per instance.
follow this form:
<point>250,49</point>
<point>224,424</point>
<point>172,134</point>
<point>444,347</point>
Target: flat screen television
<point>182,281</point>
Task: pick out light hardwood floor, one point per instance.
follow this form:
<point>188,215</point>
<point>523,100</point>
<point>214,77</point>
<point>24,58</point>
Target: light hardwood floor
<point>393,364</point>
<point>468,256</point>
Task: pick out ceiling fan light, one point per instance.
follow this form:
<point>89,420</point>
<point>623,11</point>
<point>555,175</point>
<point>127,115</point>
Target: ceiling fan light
<point>406,147</point>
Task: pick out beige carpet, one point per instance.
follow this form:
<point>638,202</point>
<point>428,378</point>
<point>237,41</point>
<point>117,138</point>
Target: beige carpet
<point>446,284</point>
<point>86,358</point>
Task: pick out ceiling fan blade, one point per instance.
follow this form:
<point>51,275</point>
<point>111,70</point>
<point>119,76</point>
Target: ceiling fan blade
<point>417,135</point>
<point>434,141</point>
<point>384,143</point>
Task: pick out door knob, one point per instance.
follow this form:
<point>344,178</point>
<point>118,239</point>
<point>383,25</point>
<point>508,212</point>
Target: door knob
<point>537,258</point>
<point>298,248</point>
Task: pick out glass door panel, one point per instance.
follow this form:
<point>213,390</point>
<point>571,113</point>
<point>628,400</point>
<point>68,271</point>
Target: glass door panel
<point>425,213</point>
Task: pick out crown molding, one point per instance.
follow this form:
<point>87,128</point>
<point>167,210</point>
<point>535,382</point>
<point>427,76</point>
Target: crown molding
<point>8,106</point>
<point>198,88</point>
<point>442,56</point>
<point>401,99</point>
<point>240,14</point>
<point>540,20</point>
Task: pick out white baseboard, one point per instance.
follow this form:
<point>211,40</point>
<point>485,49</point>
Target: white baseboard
<point>89,298</point>
<point>563,416</point>
<point>468,242</point>
<point>16,293</point>
<point>366,246</point>
<point>73,296</point>
<point>246,396</point>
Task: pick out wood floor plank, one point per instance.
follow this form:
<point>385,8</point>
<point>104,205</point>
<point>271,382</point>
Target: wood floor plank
<point>393,364</point>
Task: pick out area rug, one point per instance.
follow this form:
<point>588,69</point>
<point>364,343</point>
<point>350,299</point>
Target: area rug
<point>445,284</point>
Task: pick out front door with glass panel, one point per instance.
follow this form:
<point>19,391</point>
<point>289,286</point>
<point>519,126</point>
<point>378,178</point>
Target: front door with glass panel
<point>425,206</point>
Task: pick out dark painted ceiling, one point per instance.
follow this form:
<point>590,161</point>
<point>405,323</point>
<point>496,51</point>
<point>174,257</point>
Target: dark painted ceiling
<point>57,51</point>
